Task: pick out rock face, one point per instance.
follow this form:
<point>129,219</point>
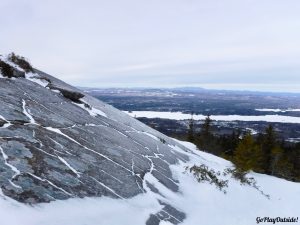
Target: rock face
<point>54,146</point>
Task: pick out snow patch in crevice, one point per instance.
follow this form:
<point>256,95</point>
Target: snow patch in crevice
<point>6,124</point>
<point>91,110</point>
<point>13,168</point>
<point>113,177</point>
<point>49,182</point>
<point>69,166</point>
<point>34,77</point>
<point>27,113</point>
<point>152,136</point>
<point>108,188</point>
<point>56,91</point>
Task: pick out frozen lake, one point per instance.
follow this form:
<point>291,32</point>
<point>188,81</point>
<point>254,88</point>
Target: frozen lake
<point>278,110</point>
<point>182,116</point>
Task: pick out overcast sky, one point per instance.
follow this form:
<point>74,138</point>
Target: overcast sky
<point>227,44</point>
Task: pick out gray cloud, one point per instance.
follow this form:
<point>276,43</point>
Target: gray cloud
<point>249,44</point>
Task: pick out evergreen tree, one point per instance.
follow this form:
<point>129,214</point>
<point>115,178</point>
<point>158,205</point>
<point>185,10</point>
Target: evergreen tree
<point>294,159</point>
<point>191,135</point>
<point>229,143</point>
<point>268,144</point>
<point>206,140</point>
<point>276,155</point>
<point>284,168</point>
<point>247,155</point>
<point>206,127</point>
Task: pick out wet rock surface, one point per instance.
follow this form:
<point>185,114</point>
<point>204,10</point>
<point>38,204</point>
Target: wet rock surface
<point>53,148</point>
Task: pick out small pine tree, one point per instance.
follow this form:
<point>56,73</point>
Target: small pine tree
<point>191,135</point>
<point>206,127</point>
<point>247,155</point>
<point>205,138</point>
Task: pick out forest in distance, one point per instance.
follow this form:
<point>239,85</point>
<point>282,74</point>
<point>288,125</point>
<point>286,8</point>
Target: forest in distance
<point>263,153</point>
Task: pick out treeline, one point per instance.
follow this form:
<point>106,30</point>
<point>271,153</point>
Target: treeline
<point>264,153</point>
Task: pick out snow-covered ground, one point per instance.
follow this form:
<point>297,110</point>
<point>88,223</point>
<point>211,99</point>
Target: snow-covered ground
<point>183,116</point>
<point>202,202</point>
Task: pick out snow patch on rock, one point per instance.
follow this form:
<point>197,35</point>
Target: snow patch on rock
<point>91,110</point>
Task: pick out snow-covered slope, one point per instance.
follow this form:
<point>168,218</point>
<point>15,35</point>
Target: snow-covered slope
<point>201,202</point>
<point>79,161</point>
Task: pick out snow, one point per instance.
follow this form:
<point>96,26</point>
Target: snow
<point>202,202</point>
<point>69,166</point>
<point>108,188</point>
<point>86,211</point>
<point>13,168</point>
<point>183,116</point>
<point>35,78</point>
<point>58,131</point>
<point>252,131</point>
<point>278,110</point>
<point>294,140</point>
<point>242,204</point>
<point>93,111</point>
<point>7,123</point>
<point>151,135</point>
<point>5,59</point>
<point>32,121</point>
<point>49,182</point>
